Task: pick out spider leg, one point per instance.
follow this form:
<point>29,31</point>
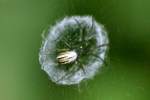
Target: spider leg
<point>67,44</point>
<point>102,45</point>
<point>81,31</point>
<point>98,47</point>
<point>69,74</point>
<point>99,58</point>
<point>91,29</point>
<point>92,26</point>
<point>64,76</point>
<point>82,67</point>
<point>62,50</point>
<point>79,24</point>
<point>70,36</point>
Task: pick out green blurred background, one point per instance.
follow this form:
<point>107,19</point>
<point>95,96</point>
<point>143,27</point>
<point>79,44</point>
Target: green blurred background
<point>127,75</point>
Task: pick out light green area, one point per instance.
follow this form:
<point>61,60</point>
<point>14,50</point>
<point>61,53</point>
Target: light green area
<point>125,78</point>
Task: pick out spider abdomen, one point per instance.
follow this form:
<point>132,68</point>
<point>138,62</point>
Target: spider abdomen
<point>67,57</point>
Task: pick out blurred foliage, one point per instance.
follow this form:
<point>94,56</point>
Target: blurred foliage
<point>126,77</point>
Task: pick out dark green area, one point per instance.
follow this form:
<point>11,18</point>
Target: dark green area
<point>125,78</point>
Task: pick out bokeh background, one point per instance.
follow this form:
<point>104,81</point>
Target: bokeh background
<point>126,76</point>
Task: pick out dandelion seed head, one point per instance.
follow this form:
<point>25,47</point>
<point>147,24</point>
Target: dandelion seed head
<point>47,53</point>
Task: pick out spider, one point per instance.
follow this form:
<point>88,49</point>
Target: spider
<point>77,45</point>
